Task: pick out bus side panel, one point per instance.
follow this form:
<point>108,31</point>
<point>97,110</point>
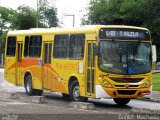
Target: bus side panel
<point>59,82</point>
<point>58,76</point>
<point>10,68</point>
<point>32,66</point>
<point>36,78</point>
<point>10,62</point>
<point>65,69</point>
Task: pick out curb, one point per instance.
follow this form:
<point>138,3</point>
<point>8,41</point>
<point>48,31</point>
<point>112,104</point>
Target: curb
<point>82,105</point>
<point>39,99</point>
<point>155,100</point>
<point>150,99</point>
<point>144,111</point>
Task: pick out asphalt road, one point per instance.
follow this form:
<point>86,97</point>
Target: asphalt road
<point>57,107</point>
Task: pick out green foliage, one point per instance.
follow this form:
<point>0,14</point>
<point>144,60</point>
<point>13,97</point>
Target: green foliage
<point>104,12</point>
<point>2,42</point>
<point>156,82</point>
<point>6,16</point>
<point>132,12</point>
<point>25,18</point>
<point>47,14</point>
<point>144,13</point>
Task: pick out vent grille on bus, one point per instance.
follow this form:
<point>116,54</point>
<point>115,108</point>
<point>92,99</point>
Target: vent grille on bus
<point>126,80</point>
<point>126,92</point>
<point>133,86</point>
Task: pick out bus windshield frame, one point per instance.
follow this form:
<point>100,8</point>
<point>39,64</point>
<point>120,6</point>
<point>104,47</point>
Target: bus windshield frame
<point>126,47</point>
<point>124,57</point>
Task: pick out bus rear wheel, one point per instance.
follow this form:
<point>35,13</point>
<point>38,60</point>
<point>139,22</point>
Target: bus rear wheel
<point>121,101</point>
<point>75,93</point>
<point>29,87</point>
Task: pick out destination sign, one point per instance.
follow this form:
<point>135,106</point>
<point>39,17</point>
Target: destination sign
<point>124,34</point>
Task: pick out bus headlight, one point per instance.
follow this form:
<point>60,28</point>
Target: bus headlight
<point>145,85</point>
<point>104,83</point>
<point>107,85</point>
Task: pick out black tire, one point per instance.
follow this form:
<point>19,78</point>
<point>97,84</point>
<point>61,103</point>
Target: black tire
<point>65,96</point>
<point>29,87</point>
<point>121,101</point>
<point>75,93</point>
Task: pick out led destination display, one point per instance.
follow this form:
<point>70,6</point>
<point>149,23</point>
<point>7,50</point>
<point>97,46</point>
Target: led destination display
<point>124,34</point>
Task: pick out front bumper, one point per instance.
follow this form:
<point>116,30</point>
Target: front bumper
<point>128,93</point>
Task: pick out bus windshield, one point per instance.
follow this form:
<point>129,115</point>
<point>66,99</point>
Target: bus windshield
<point>125,58</point>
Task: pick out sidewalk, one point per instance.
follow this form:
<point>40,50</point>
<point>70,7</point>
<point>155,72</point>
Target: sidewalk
<point>155,97</point>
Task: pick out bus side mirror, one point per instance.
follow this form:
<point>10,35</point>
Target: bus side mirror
<point>154,53</point>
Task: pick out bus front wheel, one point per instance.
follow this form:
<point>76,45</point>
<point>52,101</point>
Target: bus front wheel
<point>75,93</point>
<point>65,96</point>
<point>121,101</point>
<point>29,87</point>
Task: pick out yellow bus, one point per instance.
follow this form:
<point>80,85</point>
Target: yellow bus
<point>100,61</point>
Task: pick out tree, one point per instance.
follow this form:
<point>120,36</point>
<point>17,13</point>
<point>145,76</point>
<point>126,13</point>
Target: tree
<point>104,12</point>
<point>47,14</point>
<point>6,16</point>
<point>132,12</point>
<point>22,18</point>
<point>2,42</point>
<point>25,18</point>
<point>143,13</point>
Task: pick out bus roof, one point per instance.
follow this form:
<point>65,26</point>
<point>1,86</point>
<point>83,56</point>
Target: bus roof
<point>83,29</point>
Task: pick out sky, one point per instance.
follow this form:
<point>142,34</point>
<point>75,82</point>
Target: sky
<point>64,7</point>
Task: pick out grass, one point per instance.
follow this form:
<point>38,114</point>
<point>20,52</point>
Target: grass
<point>156,82</point>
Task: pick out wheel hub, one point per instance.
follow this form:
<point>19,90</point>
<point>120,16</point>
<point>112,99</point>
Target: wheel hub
<point>76,93</point>
<point>28,86</point>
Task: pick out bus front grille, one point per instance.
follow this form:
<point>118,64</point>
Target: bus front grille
<point>126,80</point>
<point>133,86</point>
<point>126,92</point>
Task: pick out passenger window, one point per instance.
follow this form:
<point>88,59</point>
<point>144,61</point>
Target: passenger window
<point>76,46</point>
<point>35,46</point>
<point>61,46</point>
<point>26,46</point>
<point>11,46</point>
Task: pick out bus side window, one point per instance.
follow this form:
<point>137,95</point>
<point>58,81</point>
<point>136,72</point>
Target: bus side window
<point>11,46</point>
<point>76,46</point>
<point>26,46</point>
<point>61,46</point>
<point>35,44</point>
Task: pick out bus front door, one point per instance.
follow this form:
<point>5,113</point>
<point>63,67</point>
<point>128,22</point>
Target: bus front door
<point>90,69</point>
<point>46,73</point>
<point>10,60</point>
<point>18,65</point>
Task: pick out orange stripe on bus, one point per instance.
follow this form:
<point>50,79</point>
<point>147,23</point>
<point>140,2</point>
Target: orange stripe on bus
<point>24,63</point>
<point>30,62</point>
<point>51,68</point>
